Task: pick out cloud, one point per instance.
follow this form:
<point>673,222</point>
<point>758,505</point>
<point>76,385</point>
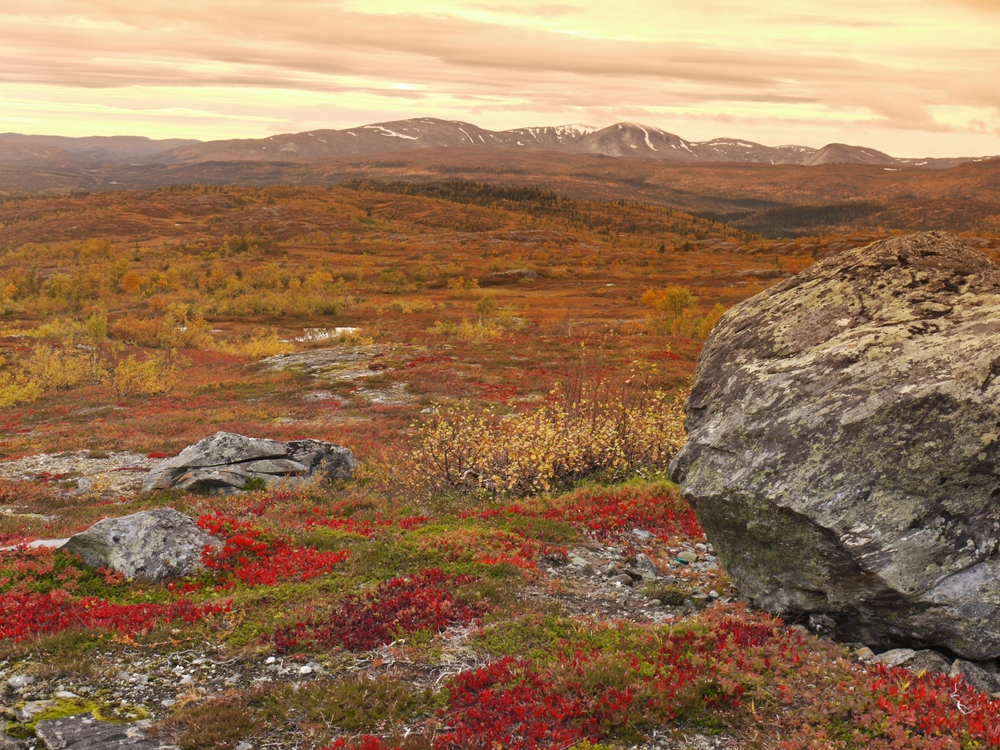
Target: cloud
<point>543,10</point>
<point>846,66</point>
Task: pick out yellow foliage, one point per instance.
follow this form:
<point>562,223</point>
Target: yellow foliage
<point>621,433</point>
<point>131,377</point>
<point>177,328</point>
<point>263,343</point>
<point>53,369</point>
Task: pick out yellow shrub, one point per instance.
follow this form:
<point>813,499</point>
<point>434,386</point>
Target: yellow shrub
<point>176,329</point>
<point>53,369</point>
<point>619,434</point>
<point>263,343</point>
<point>13,393</point>
<point>131,377</point>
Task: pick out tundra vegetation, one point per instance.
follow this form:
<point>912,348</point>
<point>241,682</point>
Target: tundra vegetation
<point>509,368</point>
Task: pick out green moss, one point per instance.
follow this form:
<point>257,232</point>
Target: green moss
<point>111,713</point>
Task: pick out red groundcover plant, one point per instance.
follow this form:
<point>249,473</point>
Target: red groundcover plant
<point>259,558</point>
<point>397,607</point>
<point>23,615</point>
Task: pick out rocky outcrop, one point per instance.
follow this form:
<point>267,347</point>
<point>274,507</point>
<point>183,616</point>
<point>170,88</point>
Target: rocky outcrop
<point>843,448</point>
<point>228,461</point>
<point>151,544</point>
<point>84,732</point>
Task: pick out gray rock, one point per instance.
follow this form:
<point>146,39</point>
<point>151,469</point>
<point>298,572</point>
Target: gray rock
<point>84,732</point>
<point>7,742</point>
<point>229,461</point>
<point>151,544</point>
<point>897,657</point>
<point>624,579</point>
<point>927,660</point>
<point>206,479</point>
<point>20,680</point>
<point>31,709</point>
<point>975,675</point>
<point>843,450</point>
<point>646,567</point>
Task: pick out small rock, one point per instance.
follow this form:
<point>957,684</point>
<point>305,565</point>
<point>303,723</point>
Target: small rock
<point>19,681</point>
<point>31,709</point>
<point>642,534</point>
<point>646,567</point>
<point>611,569</point>
<point>865,655</point>
<point>316,667</point>
<point>186,680</point>
<point>701,548</point>
<point>669,580</point>
<point>270,660</point>
<point>244,746</point>
<point>714,594</point>
<point>822,624</point>
<point>930,661</point>
<point>622,580</point>
<point>975,675</point>
<point>897,657</point>
<point>305,669</point>
<point>686,557</point>
<point>167,702</point>
<point>65,694</point>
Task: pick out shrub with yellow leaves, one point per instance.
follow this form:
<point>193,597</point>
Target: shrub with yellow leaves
<point>616,430</point>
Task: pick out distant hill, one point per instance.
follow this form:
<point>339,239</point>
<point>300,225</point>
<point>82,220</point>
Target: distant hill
<point>115,148</point>
<point>624,140</point>
<point>620,141</point>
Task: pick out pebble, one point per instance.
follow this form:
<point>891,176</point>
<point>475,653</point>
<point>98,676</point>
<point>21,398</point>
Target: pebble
<point>270,660</point>
<point>305,670</point>
<point>20,681</point>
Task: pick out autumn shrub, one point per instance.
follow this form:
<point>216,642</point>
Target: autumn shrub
<point>259,558</point>
<point>132,376</point>
<point>613,430</point>
<point>47,369</point>
<point>177,328</point>
<point>397,607</point>
<point>260,344</point>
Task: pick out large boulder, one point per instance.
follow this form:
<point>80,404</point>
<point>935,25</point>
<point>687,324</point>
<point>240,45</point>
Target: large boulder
<point>151,544</point>
<point>843,450</point>
<point>229,461</point>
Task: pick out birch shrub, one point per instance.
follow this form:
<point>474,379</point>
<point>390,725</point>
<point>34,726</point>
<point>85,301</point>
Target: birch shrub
<point>608,430</point>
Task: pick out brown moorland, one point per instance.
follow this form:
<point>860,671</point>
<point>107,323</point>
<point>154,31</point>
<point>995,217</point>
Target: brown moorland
<point>506,363</point>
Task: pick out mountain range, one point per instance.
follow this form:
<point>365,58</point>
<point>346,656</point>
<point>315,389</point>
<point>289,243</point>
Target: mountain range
<point>622,140</point>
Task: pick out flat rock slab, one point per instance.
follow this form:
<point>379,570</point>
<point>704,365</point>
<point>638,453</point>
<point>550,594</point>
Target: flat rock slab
<point>84,732</point>
<point>229,461</point>
<point>116,473</point>
<point>843,450</point>
<point>336,362</point>
<point>150,545</point>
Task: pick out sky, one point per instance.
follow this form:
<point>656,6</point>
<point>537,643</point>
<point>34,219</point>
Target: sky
<point>909,77</point>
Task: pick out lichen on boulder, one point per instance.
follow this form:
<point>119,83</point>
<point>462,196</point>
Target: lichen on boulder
<point>227,461</point>
<point>150,545</point>
<point>843,449</point>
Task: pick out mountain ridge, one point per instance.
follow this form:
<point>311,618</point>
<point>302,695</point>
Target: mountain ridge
<point>623,140</point>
